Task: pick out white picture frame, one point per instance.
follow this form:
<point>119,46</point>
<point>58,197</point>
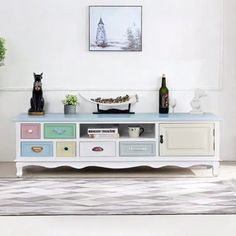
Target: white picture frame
<point>115,28</point>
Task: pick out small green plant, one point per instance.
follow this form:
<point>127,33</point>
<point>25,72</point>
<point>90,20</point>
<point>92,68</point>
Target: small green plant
<point>2,50</point>
<point>70,100</point>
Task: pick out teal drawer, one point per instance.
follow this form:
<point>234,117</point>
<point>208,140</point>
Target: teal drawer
<point>137,149</point>
<point>59,131</point>
<point>36,149</point>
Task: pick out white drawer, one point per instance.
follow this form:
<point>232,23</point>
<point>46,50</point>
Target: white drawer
<point>97,149</point>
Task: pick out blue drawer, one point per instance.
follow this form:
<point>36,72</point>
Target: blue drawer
<point>36,149</point>
<point>133,149</point>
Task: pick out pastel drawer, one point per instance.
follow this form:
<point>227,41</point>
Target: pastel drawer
<point>30,131</point>
<point>66,149</point>
<point>59,131</point>
<point>36,149</point>
<point>137,149</point>
<point>97,149</point>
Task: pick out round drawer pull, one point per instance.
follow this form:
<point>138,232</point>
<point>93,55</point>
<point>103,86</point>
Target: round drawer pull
<point>30,131</point>
<point>66,148</point>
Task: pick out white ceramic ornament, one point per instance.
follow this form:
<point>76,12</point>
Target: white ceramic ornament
<point>196,102</point>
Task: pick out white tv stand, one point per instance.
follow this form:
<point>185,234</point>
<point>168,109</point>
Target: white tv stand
<point>54,140</point>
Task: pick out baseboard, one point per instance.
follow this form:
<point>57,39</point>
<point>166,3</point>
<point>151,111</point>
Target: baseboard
<point>6,162</point>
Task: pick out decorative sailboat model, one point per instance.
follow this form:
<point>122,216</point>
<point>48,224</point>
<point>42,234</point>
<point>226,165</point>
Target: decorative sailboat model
<point>110,103</point>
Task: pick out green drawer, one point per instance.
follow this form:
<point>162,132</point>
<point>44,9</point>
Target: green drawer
<point>59,131</point>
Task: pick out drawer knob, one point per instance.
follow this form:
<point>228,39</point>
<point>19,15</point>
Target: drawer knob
<point>66,148</point>
<point>37,149</point>
<point>30,131</point>
<point>97,149</point>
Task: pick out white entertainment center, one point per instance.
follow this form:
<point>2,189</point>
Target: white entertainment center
<point>54,140</point>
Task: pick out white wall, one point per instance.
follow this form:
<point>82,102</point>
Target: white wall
<point>181,38</point>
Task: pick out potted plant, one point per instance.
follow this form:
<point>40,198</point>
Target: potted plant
<point>2,51</point>
<point>70,102</point>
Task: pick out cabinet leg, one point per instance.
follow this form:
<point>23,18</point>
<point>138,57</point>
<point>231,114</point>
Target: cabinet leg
<point>215,169</point>
<point>19,170</point>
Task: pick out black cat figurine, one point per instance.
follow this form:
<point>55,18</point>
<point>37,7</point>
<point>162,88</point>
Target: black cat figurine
<point>37,101</point>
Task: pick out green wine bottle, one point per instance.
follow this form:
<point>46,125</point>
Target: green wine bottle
<point>163,97</point>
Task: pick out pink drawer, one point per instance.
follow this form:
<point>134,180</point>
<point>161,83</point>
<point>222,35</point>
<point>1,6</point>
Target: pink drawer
<point>30,131</point>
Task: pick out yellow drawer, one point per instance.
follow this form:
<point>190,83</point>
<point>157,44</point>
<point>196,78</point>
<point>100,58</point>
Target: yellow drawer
<point>66,149</point>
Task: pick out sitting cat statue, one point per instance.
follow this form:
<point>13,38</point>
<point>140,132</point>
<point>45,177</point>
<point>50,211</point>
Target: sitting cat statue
<point>37,101</point>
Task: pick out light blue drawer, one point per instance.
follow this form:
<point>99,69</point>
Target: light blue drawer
<point>36,149</point>
<point>137,149</point>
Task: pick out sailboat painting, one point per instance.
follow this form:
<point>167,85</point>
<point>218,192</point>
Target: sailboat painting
<point>115,28</point>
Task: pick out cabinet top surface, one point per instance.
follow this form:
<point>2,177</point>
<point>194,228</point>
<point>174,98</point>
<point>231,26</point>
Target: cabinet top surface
<point>138,117</point>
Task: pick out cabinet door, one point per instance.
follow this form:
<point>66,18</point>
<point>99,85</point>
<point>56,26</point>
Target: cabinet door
<point>186,139</point>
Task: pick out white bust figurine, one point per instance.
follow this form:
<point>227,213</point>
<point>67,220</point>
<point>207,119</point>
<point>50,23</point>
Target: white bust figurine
<point>196,102</point>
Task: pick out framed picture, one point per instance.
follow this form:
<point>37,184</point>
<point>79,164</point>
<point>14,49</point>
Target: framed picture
<point>115,28</point>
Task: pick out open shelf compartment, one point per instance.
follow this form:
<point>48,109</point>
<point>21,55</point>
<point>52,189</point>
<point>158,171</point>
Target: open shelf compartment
<point>149,129</point>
